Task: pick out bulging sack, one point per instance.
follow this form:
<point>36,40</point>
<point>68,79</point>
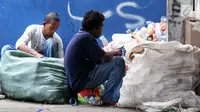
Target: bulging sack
<point>28,78</point>
<point>158,73</point>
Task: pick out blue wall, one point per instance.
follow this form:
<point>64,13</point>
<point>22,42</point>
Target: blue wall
<point>16,15</point>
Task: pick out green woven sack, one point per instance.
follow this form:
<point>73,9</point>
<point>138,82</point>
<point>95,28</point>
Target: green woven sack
<point>28,78</point>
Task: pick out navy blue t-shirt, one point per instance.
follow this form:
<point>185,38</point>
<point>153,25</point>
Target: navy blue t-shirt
<point>81,56</point>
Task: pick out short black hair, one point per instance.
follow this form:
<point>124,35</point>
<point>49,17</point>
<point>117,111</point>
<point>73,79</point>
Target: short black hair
<point>92,19</point>
<point>52,16</point>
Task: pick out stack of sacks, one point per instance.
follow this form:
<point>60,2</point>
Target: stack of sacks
<point>153,31</point>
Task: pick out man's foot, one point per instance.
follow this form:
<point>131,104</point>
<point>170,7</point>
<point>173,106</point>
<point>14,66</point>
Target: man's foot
<point>105,103</point>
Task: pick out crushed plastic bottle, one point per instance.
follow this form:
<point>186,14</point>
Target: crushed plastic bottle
<point>95,101</point>
<point>43,110</point>
<point>2,96</point>
<point>104,41</point>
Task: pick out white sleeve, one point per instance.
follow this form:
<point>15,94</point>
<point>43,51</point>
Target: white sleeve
<point>26,37</point>
<point>60,47</point>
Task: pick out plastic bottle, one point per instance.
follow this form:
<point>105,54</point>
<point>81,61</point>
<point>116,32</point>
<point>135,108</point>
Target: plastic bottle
<point>95,100</point>
<point>104,41</point>
<point>163,19</point>
<point>86,99</point>
<point>128,31</point>
<point>149,24</point>
<point>91,100</point>
<point>43,110</point>
<point>143,33</point>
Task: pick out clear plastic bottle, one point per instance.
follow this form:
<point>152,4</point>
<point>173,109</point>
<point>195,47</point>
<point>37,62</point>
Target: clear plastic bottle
<point>104,41</point>
<point>163,19</point>
<point>91,100</point>
<point>128,31</point>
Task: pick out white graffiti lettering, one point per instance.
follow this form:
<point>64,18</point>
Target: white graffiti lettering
<point>107,14</point>
<point>140,20</point>
<point>72,16</point>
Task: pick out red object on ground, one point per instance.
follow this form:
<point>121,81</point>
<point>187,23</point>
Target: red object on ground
<point>96,92</point>
<point>86,92</point>
<point>90,92</point>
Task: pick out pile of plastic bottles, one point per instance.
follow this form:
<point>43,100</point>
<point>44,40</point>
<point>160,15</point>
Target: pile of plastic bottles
<point>91,96</point>
<point>153,31</point>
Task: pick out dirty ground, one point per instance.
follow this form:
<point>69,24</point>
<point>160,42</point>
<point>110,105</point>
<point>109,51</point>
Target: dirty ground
<point>18,106</point>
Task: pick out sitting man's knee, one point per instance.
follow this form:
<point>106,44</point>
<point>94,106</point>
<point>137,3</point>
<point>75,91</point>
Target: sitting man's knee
<point>51,42</point>
<point>120,60</point>
<point>6,48</point>
<point>121,67</point>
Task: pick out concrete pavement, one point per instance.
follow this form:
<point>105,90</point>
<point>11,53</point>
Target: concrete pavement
<point>18,106</point>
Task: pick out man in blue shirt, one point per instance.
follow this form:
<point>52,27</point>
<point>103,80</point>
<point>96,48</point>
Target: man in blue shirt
<point>87,65</point>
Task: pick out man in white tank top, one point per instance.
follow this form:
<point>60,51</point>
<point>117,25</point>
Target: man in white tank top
<point>40,40</point>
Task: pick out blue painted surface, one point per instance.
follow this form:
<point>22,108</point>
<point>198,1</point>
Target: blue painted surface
<point>16,15</point>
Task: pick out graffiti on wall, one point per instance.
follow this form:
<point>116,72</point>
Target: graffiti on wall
<point>178,10</point>
<point>109,13</point>
<point>186,8</point>
<point>16,15</point>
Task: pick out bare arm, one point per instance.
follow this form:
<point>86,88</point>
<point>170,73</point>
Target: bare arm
<point>25,48</point>
<point>96,53</point>
<point>109,55</point>
<point>22,42</point>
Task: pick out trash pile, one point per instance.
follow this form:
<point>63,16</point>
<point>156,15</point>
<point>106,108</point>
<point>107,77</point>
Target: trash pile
<point>152,31</point>
<point>161,75</point>
<point>91,96</point>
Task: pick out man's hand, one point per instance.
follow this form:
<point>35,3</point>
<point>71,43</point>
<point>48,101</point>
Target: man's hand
<point>118,52</point>
<point>25,48</point>
<point>39,55</point>
<point>110,55</point>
